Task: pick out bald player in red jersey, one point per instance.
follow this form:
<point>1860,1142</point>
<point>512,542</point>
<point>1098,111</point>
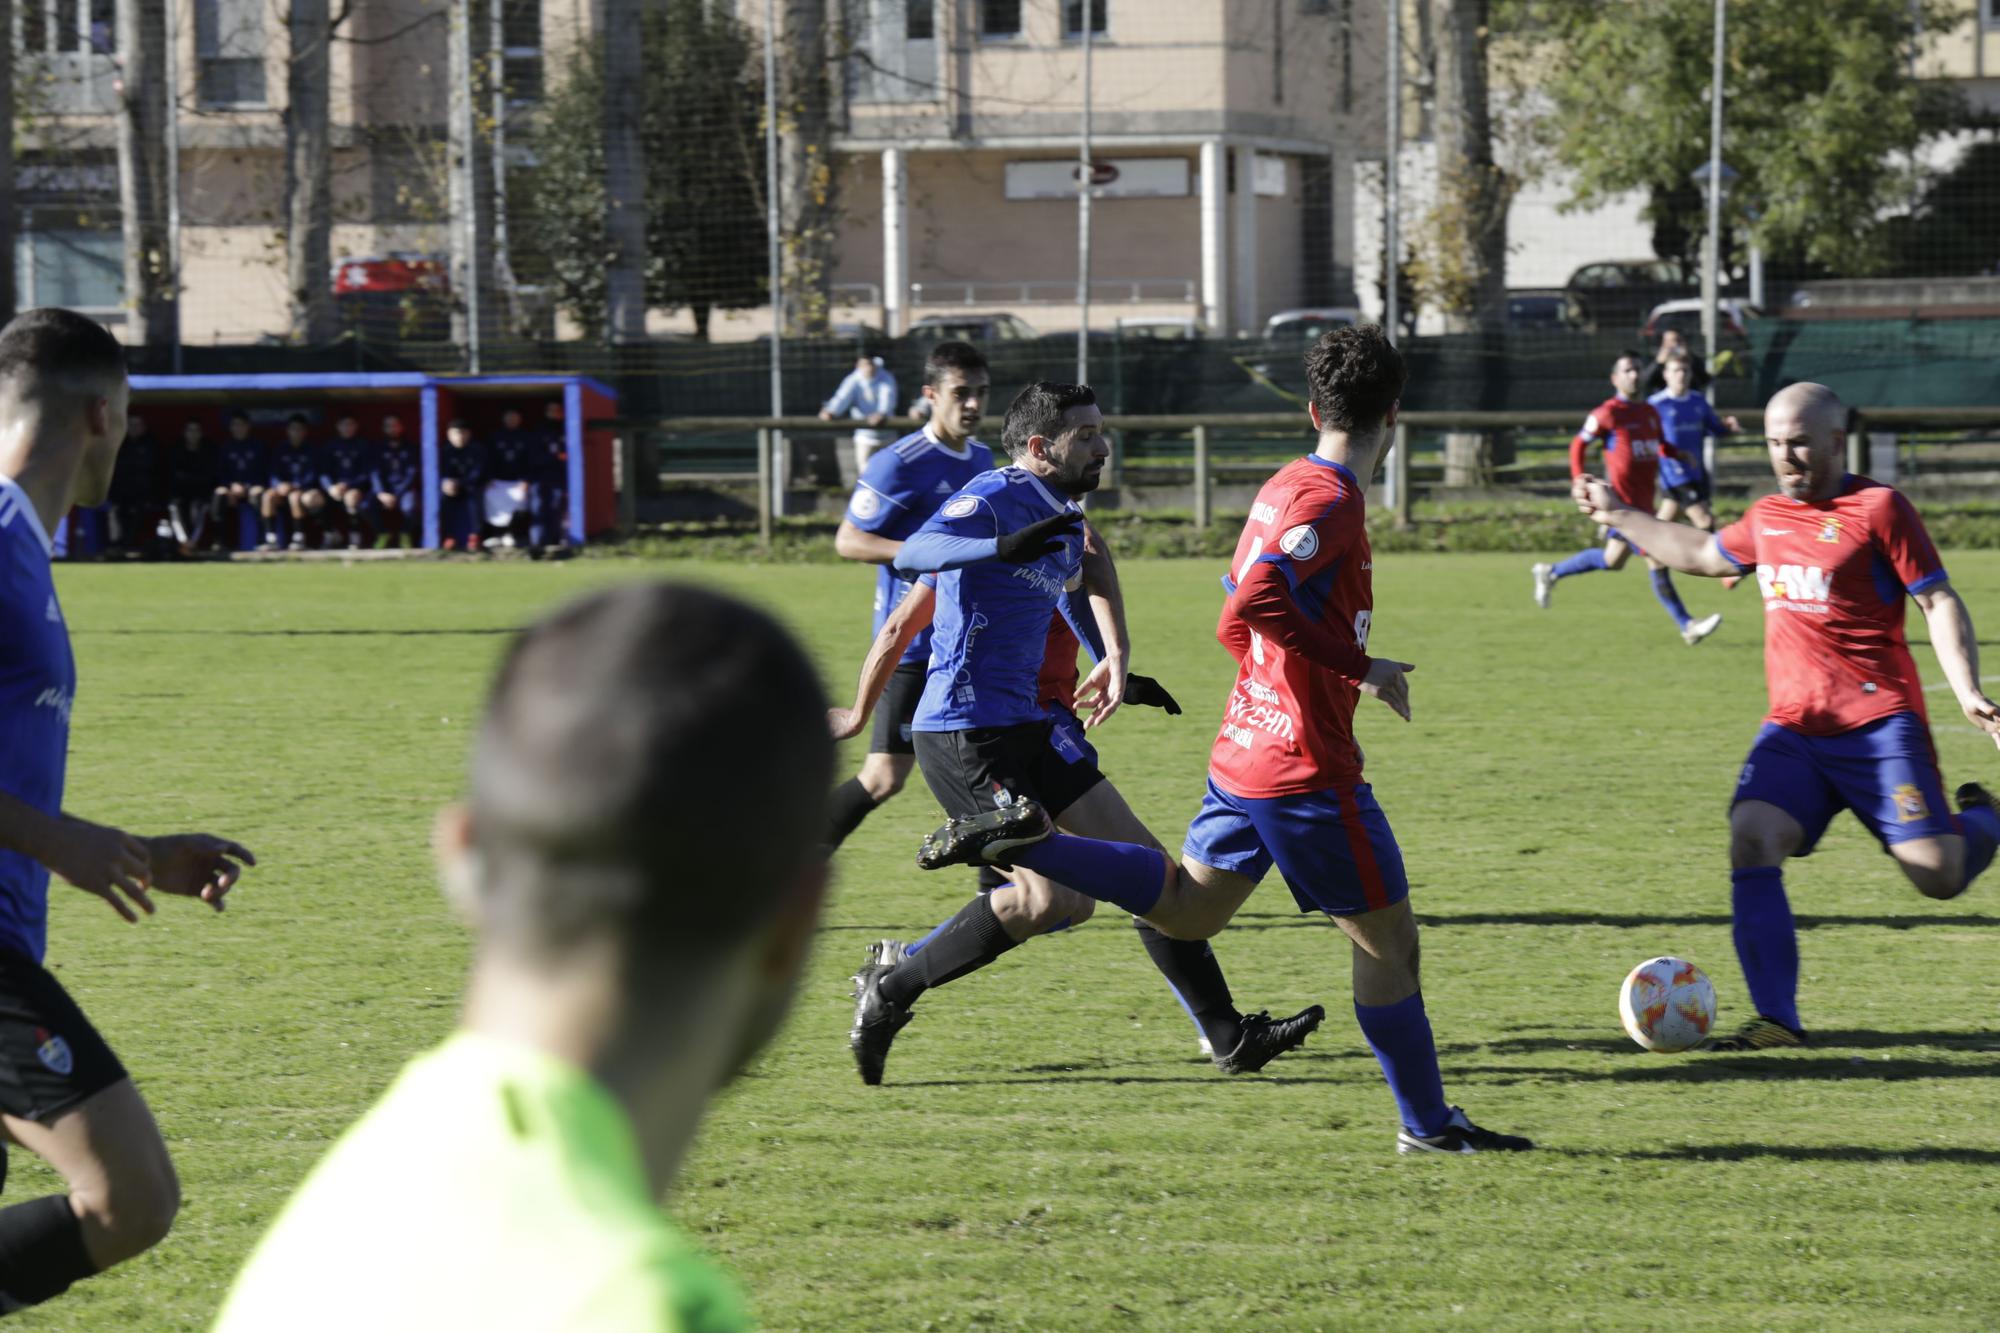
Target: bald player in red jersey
<point>1629,431</point>
<point>1834,555</point>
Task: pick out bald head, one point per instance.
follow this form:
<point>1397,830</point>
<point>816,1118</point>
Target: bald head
<point>1805,429</point>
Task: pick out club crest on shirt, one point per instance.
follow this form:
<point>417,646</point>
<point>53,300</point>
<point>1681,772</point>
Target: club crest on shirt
<point>1300,543</point>
<point>865,504</point>
<point>1829,530</point>
<point>53,1052</point>
<point>960,507</point>
<point>1910,805</point>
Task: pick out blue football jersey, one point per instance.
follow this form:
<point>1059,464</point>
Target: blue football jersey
<point>991,629</point>
<point>900,489</point>
<point>399,467</point>
<point>243,462</point>
<point>515,455</point>
<point>346,462</point>
<point>1686,420</point>
<point>295,465</point>
<point>37,685</point>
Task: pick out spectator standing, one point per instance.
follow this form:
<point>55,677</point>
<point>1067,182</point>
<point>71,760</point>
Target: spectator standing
<point>243,473</point>
<point>552,513</point>
<point>461,483</point>
<point>399,476</point>
<point>190,487</point>
<point>346,474</point>
<point>1656,376</point>
<point>867,395</point>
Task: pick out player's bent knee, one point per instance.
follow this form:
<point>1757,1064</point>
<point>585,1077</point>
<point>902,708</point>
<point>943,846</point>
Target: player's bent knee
<point>131,1213</point>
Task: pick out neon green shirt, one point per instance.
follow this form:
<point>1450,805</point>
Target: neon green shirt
<point>493,1188</point>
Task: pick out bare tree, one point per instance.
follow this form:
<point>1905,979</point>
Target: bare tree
<point>808,187</point>
<point>1462,260</point>
<point>8,296</point>
<point>475,300</point>
<point>142,175</point>
<point>309,171</point>
<point>625,169</point>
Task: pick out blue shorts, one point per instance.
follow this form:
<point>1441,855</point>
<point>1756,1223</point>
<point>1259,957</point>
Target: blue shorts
<point>1066,736</point>
<point>1611,534</point>
<point>1885,772</point>
<point>1334,847</point>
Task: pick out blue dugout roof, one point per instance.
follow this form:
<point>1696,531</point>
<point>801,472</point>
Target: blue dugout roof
<point>365,380</point>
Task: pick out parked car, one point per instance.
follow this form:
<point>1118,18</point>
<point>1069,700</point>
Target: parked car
<point>1303,327</point>
<point>1732,319</point>
<point>1158,329</point>
<point>1613,296</point>
<point>981,330</point>
<point>1544,308</point>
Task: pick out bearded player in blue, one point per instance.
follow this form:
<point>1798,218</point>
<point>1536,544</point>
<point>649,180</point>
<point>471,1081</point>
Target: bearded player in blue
<point>63,1094</point>
<point>1007,549</point>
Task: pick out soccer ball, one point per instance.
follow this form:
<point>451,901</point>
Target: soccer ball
<point>1667,1004</point>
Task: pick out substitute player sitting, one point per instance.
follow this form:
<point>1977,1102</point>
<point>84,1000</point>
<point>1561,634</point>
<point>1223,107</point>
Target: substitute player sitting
<point>1834,555</point>
<point>1628,430</point>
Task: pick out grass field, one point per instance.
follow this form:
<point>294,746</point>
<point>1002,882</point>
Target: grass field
<point>1049,1151</point>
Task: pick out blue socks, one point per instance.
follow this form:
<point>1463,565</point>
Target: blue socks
<point>1400,1034</point>
<point>1766,943</point>
<point>1583,562</point>
<point>1121,873</point>
<point>1670,597</point>
<point>1981,829</point>
<point>941,926</point>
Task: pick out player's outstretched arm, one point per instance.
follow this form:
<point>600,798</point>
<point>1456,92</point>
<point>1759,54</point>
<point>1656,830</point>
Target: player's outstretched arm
<point>105,861</point>
<point>196,865</point>
<point>908,620</point>
<point>935,550</point>
<point>1957,649</point>
<point>1679,546</point>
<point>851,543</point>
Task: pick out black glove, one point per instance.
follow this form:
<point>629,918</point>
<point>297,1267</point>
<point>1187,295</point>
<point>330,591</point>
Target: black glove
<point>1042,537</point>
<point>1145,690</point>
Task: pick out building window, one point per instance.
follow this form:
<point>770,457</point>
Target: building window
<point>895,56</point>
<point>521,49</point>
<point>67,27</point>
<point>1000,18</point>
<point>1989,13</point>
<point>229,47</point>
<point>82,270</point>
<point>1073,17</point>
<point>920,20</point>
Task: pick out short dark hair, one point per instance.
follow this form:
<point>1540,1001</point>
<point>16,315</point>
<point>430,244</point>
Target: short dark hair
<point>1356,375</point>
<point>297,419</point>
<point>949,356</point>
<point>1636,358</point>
<point>239,415</point>
<point>653,769</point>
<point>52,350</point>
<point>1038,410</point>
<point>458,423</point>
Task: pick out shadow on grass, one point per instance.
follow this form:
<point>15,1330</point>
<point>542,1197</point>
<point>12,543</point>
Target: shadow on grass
<point>1726,1069</point>
<point>1837,1152</point>
<point>1822,1039</point>
<point>1614,920</point>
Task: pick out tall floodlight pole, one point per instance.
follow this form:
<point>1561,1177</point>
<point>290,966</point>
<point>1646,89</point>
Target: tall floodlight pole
<point>173,129</point>
<point>1711,264</point>
<point>775,257</point>
<point>1083,188</point>
<point>1392,242</point>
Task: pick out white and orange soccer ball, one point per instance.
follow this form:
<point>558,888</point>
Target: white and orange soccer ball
<point>1667,1004</point>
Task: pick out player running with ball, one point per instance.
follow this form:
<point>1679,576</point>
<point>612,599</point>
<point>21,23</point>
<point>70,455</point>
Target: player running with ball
<point>1285,783</point>
<point>1834,554</point>
<point>1629,431</point>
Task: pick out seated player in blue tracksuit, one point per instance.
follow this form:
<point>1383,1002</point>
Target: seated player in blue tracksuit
<point>398,482</point>
<point>294,501</point>
<point>347,475</point>
<point>515,454</point>
<point>1686,417</point>
<point>461,487</point>
<point>242,473</point>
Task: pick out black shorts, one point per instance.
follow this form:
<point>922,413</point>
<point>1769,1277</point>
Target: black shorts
<point>1697,492</point>
<point>51,1058</point>
<point>966,770</point>
<point>897,709</point>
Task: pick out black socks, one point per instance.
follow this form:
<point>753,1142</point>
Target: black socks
<point>969,941</point>
<point>851,804</point>
<point>1190,967</point>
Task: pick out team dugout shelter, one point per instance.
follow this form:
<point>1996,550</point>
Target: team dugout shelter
<point>426,403</point>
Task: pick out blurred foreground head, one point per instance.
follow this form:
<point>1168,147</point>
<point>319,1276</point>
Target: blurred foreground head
<point>649,788</point>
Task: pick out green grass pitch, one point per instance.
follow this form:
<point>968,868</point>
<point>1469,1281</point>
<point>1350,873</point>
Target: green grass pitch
<point>1049,1150</point>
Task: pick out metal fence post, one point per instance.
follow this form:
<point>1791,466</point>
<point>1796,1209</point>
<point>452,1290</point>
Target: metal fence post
<point>764,498</point>
<point>1399,470</point>
<point>1857,444</point>
<point>628,483</point>
<point>1201,477</point>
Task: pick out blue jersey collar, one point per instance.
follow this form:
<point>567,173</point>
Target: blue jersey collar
<point>929,432</point>
<point>1340,468</point>
<point>9,490</point>
<point>1044,491</point>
